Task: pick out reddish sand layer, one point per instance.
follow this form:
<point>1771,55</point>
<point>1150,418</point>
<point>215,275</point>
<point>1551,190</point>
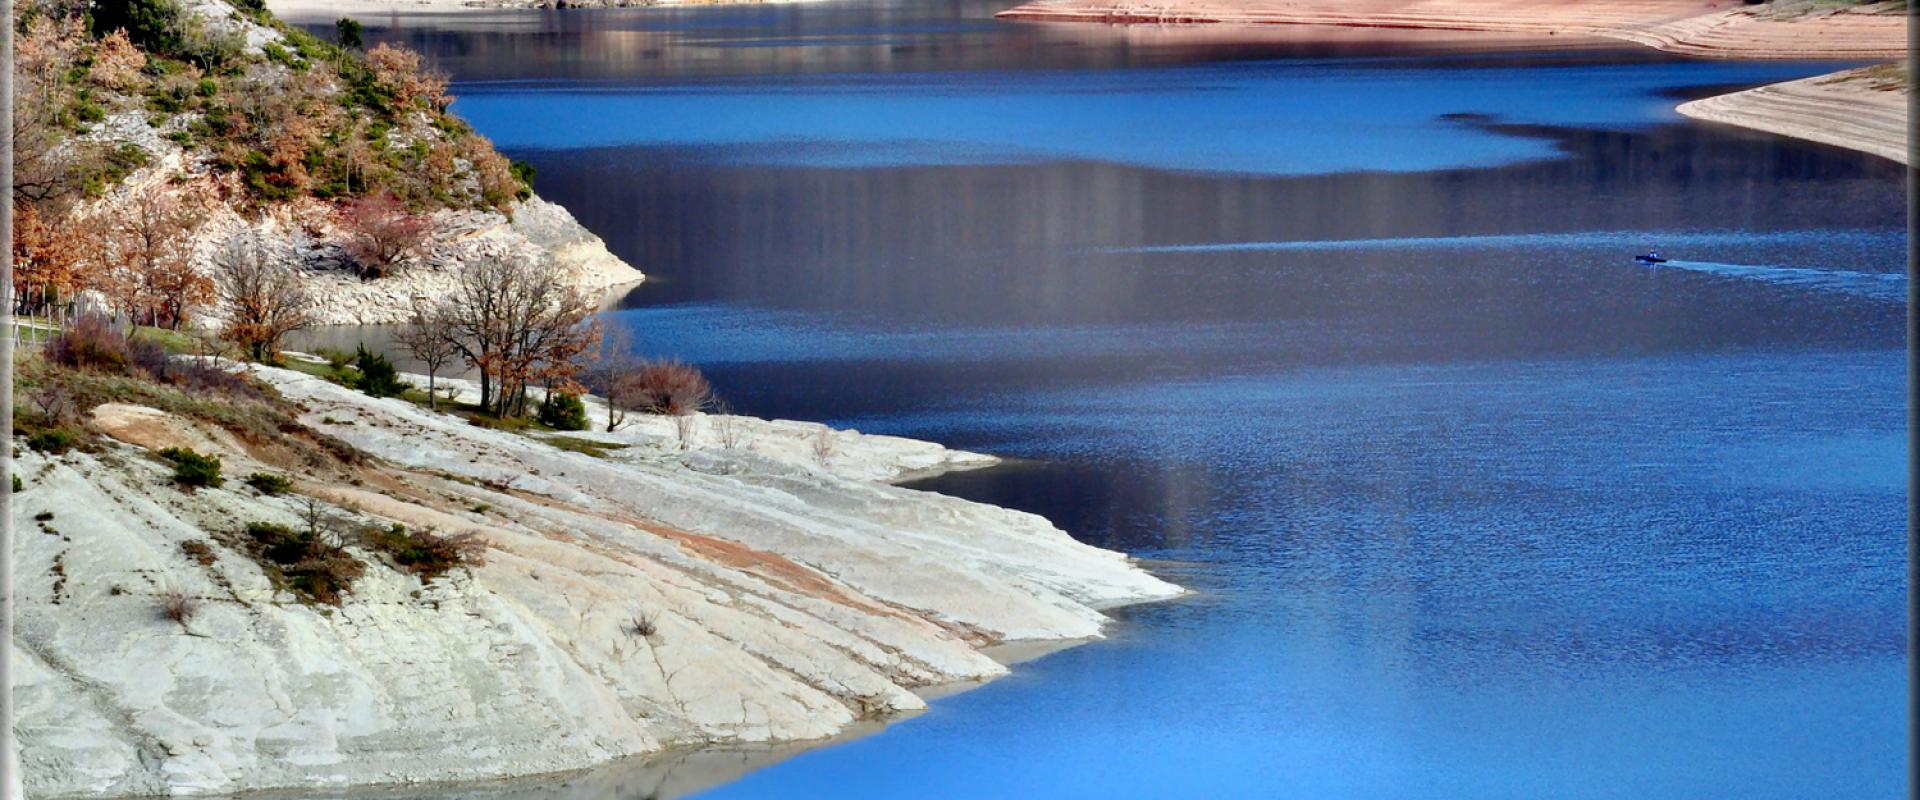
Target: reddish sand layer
<point>1722,28</point>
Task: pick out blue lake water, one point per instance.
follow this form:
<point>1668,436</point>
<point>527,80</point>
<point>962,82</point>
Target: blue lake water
<point>1344,335</point>
<point>1274,117</point>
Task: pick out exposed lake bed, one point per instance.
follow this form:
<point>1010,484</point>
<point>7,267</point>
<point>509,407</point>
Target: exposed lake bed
<point>1475,506</point>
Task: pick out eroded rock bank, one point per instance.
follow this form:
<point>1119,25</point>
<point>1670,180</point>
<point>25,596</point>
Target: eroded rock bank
<point>726,580</point>
<point>1863,109</point>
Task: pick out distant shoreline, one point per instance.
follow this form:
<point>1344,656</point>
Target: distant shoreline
<point>1862,110</point>
<point>1688,27</point>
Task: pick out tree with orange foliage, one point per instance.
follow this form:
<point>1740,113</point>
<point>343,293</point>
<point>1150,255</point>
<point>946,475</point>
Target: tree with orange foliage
<point>491,171</point>
<point>116,62</point>
<point>44,53</point>
<point>49,256</point>
<point>149,250</point>
<point>404,72</point>
<point>282,119</point>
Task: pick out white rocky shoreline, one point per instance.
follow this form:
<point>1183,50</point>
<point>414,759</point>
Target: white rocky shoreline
<point>794,594</point>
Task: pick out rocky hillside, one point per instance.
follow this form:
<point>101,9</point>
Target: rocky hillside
<point>718,580</point>
<point>240,121</point>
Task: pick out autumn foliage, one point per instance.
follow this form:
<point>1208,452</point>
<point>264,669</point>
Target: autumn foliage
<point>291,120</point>
<point>147,257</point>
<point>519,323</point>
<point>49,259</point>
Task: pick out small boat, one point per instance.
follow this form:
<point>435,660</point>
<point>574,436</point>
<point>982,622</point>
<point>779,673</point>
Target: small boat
<point>1650,257</point>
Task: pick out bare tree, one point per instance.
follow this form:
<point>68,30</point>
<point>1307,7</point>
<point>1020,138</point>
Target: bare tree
<point>823,446</point>
<point>684,426</point>
<point>610,370</point>
<point>264,299</point>
<point>429,337</point>
<point>726,425</point>
<point>670,387</point>
<point>519,323</point>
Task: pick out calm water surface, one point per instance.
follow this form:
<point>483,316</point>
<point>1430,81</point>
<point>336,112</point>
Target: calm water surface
<point>1340,332</point>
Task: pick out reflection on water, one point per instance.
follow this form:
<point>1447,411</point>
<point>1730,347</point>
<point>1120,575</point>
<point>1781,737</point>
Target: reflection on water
<point>1293,116</point>
<point>1475,505</point>
<point>678,44</point>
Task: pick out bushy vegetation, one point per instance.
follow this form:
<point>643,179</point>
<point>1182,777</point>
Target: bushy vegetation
<point>89,364</point>
<point>299,118</point>
<point>52,442</point>
<point>375,374</point>
<point>199,551</point>
<point>93,343</point>
<point>424,552</point>
<point>193,469</point>
<point>563,412</point>
<point>269,483</point>
<point>178,607</point>
<point>669,387</point>
<point>306,562</point>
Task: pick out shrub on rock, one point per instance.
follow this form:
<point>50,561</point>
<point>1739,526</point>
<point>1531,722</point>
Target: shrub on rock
<point>563,412</point>
<point>378,378</point>
<point>669,387</point>
<point>425,553</point>
<point>191,469</point>
<point>90,342</point>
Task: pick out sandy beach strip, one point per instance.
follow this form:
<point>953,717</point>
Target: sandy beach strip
<point>1863,109</point>
<point>1723,29</point>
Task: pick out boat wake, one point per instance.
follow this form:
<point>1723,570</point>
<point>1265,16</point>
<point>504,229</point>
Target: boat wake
<point>1876,285</point>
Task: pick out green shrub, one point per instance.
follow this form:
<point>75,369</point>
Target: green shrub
<point>563,412</point>
<point>337,359</point>
<point>378,378</point>
<point>302,562</point>
<point>425,553</point>
<point>153,25</point>
<point>18,485</point>
<point>51,442</point>
<point>193,469</point>
<point>269,483</point>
